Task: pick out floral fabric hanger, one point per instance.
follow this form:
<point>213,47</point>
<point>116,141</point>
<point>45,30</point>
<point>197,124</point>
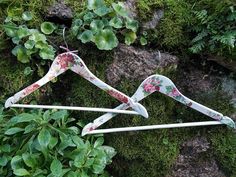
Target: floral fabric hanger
<point>165,86</point>
<point>70,61</point>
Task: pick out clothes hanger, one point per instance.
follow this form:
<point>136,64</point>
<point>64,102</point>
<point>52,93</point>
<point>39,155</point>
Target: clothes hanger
<point>62,63</point>
<point>163,85</point>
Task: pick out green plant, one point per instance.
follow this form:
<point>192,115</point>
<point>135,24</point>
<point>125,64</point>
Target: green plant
<point>100,24</point>
<point>48,144</point>
<point>215,32</point>
<point>29,41</point>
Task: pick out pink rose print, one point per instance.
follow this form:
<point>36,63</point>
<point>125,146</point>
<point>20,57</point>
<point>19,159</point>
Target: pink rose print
<point>65,59</point>
<point>151,85</point>
<point>174,92</point>
<point>150,88</point>
<point>31,88</point>
<point>117,95</point>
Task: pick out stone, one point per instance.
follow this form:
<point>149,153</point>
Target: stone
<point>131,6</point>
<point>60,13</point>
<point>152,24</point>
<point>137,64</point>
<point>225,62</point>
<point>190,162</point>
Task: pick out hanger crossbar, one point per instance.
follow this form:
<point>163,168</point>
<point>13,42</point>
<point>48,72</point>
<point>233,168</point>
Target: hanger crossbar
<point>152,127</point>
<point>75,108</point>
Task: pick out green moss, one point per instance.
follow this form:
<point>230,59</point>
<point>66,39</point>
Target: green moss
<point>224,146</point>
<point>146,7</point>
<point>12,80</point>
<point>170,33</point>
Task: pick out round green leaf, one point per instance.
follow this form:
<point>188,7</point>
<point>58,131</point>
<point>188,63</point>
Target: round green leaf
<point>56,167</point>
<point>11,30</point>
<point>76,26</point>
<point>143,41</point>
<point>36,37</point>
<point>27,71</point>
<point>88,16</point>
<point>22,55</point>
<point>106,40</point>
<point>27,16</point>
<point>47,53</point>
<point>86,36</point>
<point>96,25</point>
<point>44,137</point>
<point>132,24</point>
<point>116,22</point>
<point>130,37</point>
<point>29,44</point>
<point>120,9</point>
<point>47,27</point>
<point>23,32</point>
<point>3,161</point>
<point>101,11</point>
<point>16,40</point>
<point>95,4</point>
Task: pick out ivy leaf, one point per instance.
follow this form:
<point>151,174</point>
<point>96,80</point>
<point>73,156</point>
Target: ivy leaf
<point>101,11</point>
<point>27,16</point>
<point>106,40</point>
<point>96,25</point>
<point>21,172</point>
<point>130,37</point>
<point>132,24</point>
<point>13,131</point>
<point>86,36</point>
<point>116,22</point>
<point>16,162</point>
<point>56,167</point>
<point>29,44</point>
<point>44,137</point>
<point>98,142</point>
<point>143,41</point>
<point>120,9</point>
<point>47,27</point>
<point>95,4</point>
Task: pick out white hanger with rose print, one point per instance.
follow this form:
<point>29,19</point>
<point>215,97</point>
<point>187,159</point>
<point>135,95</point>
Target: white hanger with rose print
<point>61,64</point>
<point>163,85</point>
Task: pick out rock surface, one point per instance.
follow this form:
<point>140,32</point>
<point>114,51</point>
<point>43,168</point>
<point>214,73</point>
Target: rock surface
<point>137,64</point>
<point>60,13</point>
<point>190,162</point>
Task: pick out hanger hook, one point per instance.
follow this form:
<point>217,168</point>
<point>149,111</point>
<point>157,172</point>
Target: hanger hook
<point>64,38</point>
